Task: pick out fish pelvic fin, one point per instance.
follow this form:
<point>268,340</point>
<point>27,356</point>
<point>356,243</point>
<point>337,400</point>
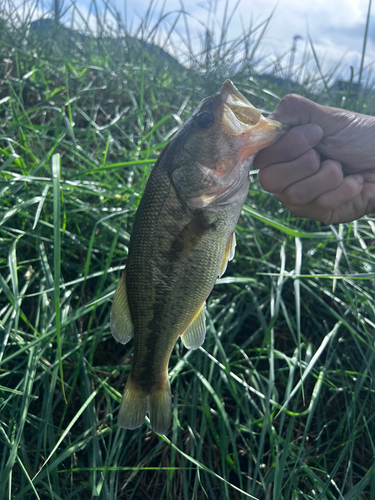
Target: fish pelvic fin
<point>230,250</point>
<point>135,404</point>
<point>193,336</point>
<point>133,408</point>
<point>120,320</point>
<point>160,409</point>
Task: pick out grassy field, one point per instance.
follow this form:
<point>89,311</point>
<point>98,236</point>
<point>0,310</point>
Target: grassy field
<point>279,402</point>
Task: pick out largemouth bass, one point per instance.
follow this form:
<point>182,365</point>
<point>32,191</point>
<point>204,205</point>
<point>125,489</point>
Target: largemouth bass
<point>181,241</point>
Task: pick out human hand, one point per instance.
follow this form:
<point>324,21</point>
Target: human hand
<point>338,189</point>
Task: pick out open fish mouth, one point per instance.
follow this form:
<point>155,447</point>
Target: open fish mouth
<point>240,117</point>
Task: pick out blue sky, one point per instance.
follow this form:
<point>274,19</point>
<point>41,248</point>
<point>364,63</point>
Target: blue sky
<point>336,26</point>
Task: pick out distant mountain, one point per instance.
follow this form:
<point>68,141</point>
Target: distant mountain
<point>46,26</point>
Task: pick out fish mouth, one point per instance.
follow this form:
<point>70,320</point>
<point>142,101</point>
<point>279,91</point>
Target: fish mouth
<point>238,114</point>
<point>240,117</point>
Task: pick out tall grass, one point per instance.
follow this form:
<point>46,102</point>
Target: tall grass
<point>279,401</point>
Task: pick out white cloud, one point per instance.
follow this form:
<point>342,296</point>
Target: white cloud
<point>335,27</point>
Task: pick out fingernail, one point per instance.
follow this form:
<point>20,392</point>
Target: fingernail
<point>313,135</point>
<point>359,178</point>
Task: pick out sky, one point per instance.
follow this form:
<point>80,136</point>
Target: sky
<point>336,27</point>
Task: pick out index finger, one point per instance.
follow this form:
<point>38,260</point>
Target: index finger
<point>293,145</point>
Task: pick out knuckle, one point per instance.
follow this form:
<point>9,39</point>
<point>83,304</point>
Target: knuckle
<point>302,212</point>
<point>327,219</point>
<point>336,175</point>
<point>313,160</point>
<point>298,212</point>
<point>266,179</point>
<point>295,195</point>
<point>323,203</point>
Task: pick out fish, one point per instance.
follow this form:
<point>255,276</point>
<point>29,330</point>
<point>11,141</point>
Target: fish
<point>181,240</point>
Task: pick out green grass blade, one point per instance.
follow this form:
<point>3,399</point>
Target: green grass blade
<point>56,175</point>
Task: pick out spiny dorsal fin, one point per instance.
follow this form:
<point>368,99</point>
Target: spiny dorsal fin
<point>228,254</point>
<point>120,319</point>
<point>193,336</point>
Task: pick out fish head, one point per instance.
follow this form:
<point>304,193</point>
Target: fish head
<point>222,136</point>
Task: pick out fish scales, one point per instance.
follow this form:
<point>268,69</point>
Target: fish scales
<point>161,219</point>
<point>181,240</point>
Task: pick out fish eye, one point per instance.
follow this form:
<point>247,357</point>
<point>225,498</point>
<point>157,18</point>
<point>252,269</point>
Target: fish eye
<point>205,119</point>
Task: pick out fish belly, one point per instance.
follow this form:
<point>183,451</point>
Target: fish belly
<point>175,255</point>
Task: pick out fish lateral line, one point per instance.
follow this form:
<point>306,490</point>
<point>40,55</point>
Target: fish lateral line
<point>182,238</point>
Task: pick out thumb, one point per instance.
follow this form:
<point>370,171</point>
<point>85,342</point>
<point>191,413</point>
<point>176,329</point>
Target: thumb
<point>296,110</point>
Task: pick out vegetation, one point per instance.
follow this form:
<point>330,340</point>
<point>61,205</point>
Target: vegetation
<point>279,403</point>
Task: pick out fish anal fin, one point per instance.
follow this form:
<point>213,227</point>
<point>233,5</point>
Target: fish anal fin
<point>230,250</point>
<point>120,320</point>
<point>193,336</point>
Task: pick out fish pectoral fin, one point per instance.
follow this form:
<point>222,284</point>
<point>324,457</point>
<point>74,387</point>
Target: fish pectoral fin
<point>190,236</point>
<point>230,250</point>
<point>120,320</point>
<point>193,336</point>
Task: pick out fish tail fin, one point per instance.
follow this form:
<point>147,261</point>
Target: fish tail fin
<point>135,404</point>
<point>133,408</point>
<point>160,408</point>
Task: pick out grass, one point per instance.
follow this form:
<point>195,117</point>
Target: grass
<point>279,402</point>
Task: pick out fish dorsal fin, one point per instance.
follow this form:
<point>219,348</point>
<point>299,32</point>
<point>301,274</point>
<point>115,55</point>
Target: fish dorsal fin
<point>120,319</point>
<point>195,333</point>
<point>228,254</point>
